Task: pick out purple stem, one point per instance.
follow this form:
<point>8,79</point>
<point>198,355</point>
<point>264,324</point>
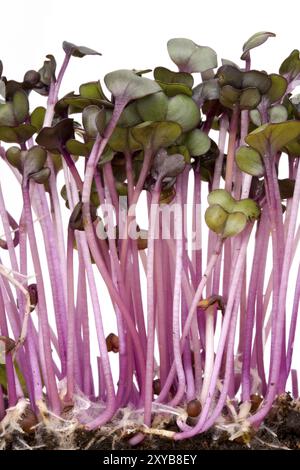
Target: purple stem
<point>43,320</point>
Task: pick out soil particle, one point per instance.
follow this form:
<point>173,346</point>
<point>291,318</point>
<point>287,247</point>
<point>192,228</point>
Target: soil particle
<point>281,430</point>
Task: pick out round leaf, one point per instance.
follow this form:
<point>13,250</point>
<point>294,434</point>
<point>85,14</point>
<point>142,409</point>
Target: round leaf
<point>277,89</point>
<point>20,106</point>
<point>255,117</point>
<point>235,224</point>
<point>222,198</point>
<point>18,134</point>
<point>184,111</point>
<point>164,75</point>
<point>197,142</point>
<point>229,96</point>
<point>248,207</point>
<point>127,85</point>
<point>230,75</point>
<point>250,98</point>
<point>189,57</point>
<point>215,217</point>
<point>153,107</point>
<point>130,116</point>
<point>259,80</point>
<point>249,161</point>
<point>156,134</point>
<point>7,117</point>
<point>37,117</point>
<point>278,113</point>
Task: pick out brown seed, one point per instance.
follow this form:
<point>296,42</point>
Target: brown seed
<point>255,402</point>
<point>193,408</point>
<point>156,386</point>
<point>28,421</point>
<point>33,294</point>
<point>112,343</point>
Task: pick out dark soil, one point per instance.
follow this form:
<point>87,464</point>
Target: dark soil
<point>281,430</point>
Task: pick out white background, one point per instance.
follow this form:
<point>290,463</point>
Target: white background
<point>133,33</point>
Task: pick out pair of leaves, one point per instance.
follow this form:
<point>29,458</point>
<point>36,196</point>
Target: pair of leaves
<point>30,163</point>
<point>229,217</point>
<point>191,58</point>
